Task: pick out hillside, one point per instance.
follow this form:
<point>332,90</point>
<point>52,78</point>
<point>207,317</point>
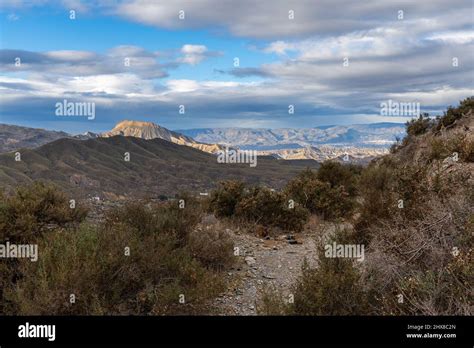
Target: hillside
<point>156,166</point>
<point>150,130</point>
<point>15,137</point>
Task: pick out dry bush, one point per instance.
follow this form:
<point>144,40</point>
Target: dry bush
<point>332,287</point>
<point>270,208</point>
<point>139,261</point>
<point>225,198</point>
<point>331,199</point>
<point>212,246</point>
<point>419,125</point>
<point>415,258</point>
<point>454,114</point>
<point>32,209</point>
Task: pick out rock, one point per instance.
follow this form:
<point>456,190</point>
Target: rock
<point>250,260</point>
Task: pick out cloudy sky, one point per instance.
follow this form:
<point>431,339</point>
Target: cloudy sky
<point>231,63</point>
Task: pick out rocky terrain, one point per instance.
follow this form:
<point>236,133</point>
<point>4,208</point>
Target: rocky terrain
<point>360,142</point>
<point>271,263</point>
<point>15,137</point>
<point>150,130</point>
<point>364,136</point>
<point>324,153</point>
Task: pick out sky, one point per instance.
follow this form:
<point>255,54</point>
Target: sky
<point>226,63</point>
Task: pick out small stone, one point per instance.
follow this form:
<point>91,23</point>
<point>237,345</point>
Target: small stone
<point>250,260</point>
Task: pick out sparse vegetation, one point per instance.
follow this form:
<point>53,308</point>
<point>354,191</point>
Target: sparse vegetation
<point>412,210</point>
<point>143,259</point>
<point>453,114</point>
<point>263,206</point>
<point>419,125</point>
<point>329,192</point>
<point>27,213</point>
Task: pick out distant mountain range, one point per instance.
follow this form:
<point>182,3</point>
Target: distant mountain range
<point>360,143</point>
<point>374,135</point>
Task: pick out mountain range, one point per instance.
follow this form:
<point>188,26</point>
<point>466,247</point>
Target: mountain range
<point>380,135</point>
<point>359,142</point>
<point>155,167</point>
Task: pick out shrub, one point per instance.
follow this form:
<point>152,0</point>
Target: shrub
<point>226,197</point>
<point>452,114</point>
<point>140,260</point>
<point>92,265</point>
<point>419,126</point>
<point>337,174</point>
<point>165,218</point>
<point>332,288</point>
<point>264,206</point>
<point>212,247</point>
<point>27,213</point>
<point>321,197</point>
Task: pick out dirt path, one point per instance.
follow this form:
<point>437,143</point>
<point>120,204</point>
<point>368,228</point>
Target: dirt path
<point>263,262</point>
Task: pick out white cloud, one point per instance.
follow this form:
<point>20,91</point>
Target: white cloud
<point>195,54</point>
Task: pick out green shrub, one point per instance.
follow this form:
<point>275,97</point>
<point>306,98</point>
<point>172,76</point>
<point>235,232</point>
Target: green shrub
<point>321,197</point>
<point>270,208</point>
<point>92,265</point>
<point>226,197</point>
<point>140,260</point>
<point>337,174</point>
<point>331,289</point>
<point>442,148</point>
<point>26,214</point>
<point>168,218</point>
<point>419,125</point>
<point>452,114</point>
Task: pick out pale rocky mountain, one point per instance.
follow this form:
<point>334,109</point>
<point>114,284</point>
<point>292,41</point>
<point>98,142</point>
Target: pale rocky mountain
<point>323,153</point>
<point>86,135</point>
<point>150,130</point>
<point>364,135</point>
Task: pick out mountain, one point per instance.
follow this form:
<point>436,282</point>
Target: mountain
<point>156,166</point>
<point>87,135</point>
<point>361,142</point>
<point>367,136</point>
<point>150,130</point>
<point>16,137</point>
<point>323,153</point>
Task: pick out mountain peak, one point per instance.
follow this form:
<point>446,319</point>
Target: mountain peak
<point>150,130</point>
<point>134,123</point>
<point>140,129</point>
